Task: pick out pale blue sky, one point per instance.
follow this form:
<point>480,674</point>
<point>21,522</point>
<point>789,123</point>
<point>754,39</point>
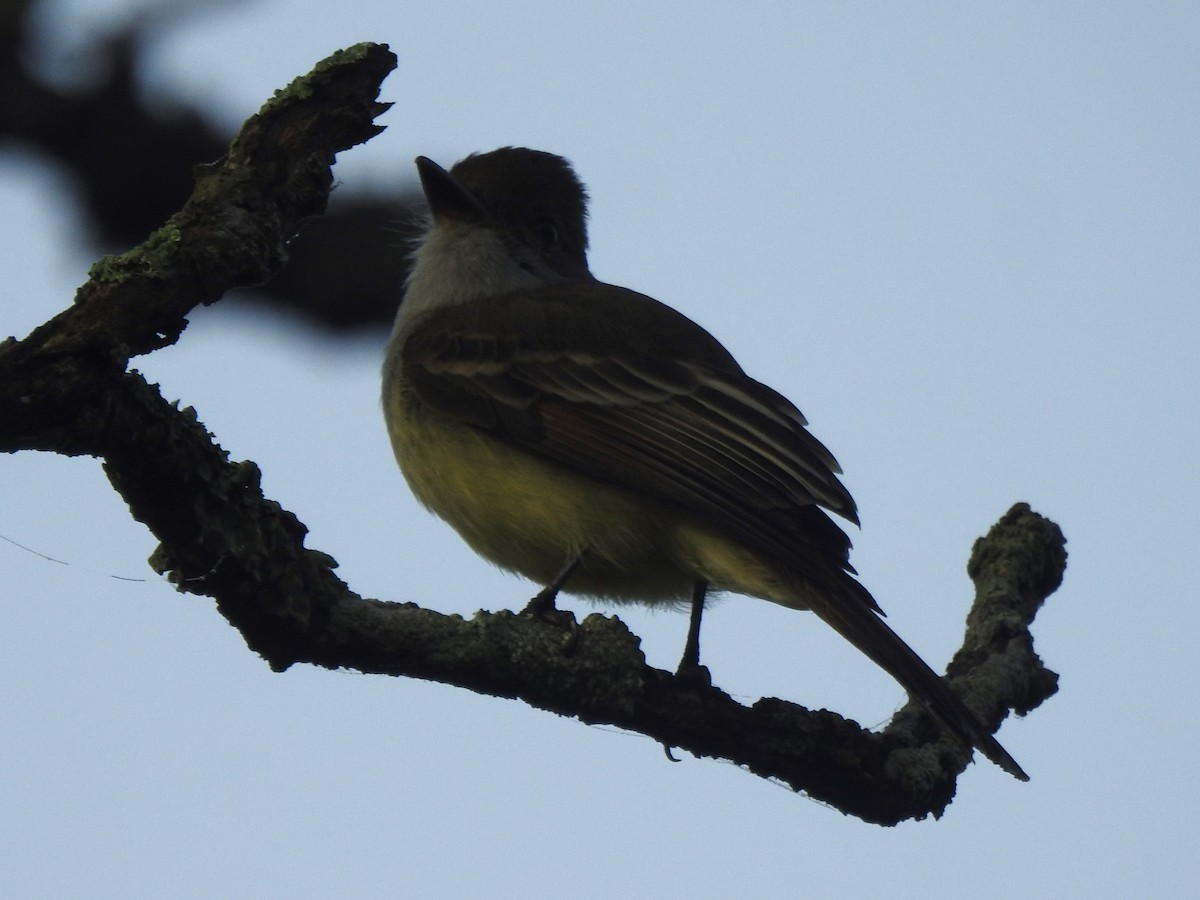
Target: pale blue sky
<point>963,240</point>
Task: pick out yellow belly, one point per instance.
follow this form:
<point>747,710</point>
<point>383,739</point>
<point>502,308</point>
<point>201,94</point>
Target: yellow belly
<point>530,516</point>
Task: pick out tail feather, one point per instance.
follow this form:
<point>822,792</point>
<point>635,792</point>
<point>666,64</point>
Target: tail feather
<point>857,621</point>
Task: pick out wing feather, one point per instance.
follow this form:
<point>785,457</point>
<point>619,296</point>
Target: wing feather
<point>699,434</point>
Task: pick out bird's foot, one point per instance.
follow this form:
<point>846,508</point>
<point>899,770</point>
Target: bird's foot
<point>694,675</point>
<point>542,608</point>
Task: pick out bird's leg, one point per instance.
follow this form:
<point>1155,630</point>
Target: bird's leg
<point>689,665</point>
<point>543,601</point>
<point>542,605</point>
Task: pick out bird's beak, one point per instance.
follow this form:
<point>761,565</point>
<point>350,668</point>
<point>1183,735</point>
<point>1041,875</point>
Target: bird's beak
<point>447,198</point>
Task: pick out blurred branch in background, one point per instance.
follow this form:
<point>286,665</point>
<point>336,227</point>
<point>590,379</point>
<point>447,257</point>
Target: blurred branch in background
<point>133,164</point>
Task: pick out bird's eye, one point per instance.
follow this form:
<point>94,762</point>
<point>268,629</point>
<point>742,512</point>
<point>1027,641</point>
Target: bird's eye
<point>547,233</point>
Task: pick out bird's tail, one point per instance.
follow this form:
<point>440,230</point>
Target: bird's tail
<point>854,617</point>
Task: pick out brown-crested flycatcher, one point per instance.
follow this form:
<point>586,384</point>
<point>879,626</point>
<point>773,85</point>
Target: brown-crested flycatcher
<point>596,441</point>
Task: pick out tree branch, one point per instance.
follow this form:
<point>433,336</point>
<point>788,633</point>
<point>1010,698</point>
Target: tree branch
<point>67,389</point>
<point>129,160</point>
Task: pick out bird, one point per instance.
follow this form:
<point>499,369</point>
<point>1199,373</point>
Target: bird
<point>602,444</point>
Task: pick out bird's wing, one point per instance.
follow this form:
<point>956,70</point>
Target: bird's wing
<point>690,429</point>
